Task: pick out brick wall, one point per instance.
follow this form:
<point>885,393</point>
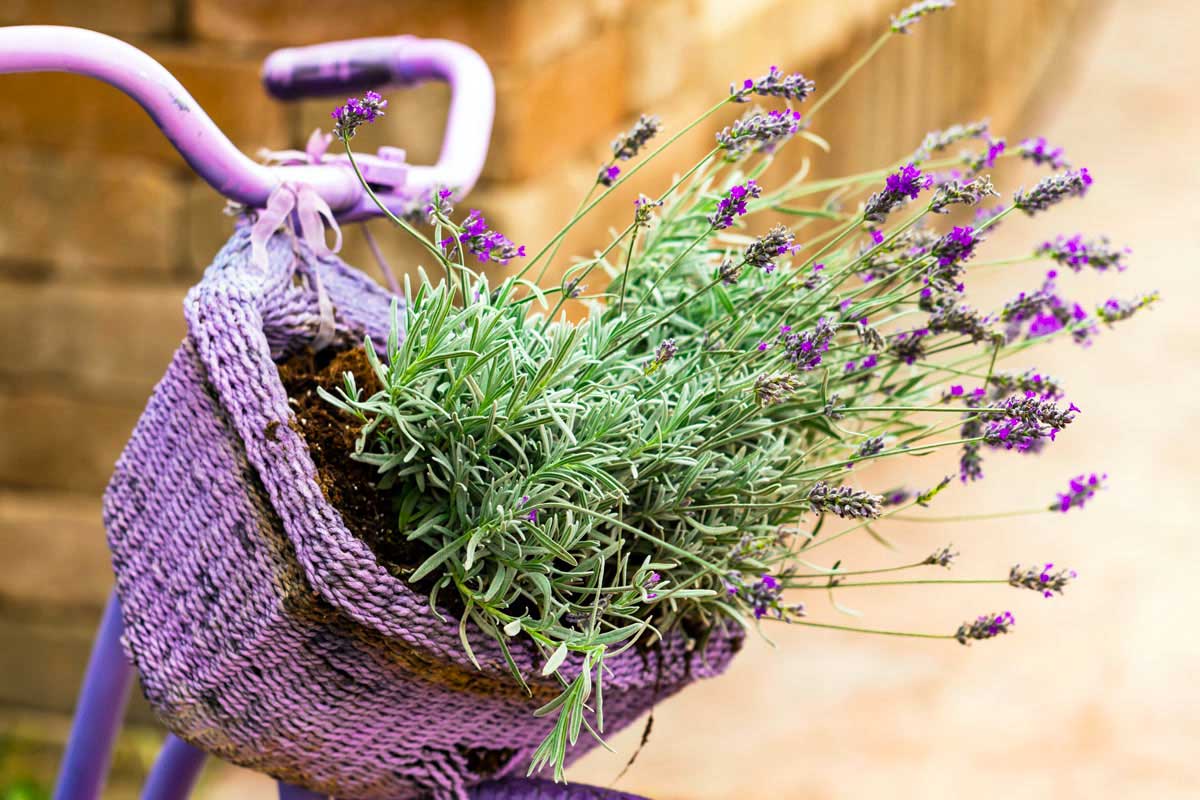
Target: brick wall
<point>104,228</point>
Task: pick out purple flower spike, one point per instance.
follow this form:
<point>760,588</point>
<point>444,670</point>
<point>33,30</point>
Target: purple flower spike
<point>1081,489</point>
<point>1053,189</point>
<point>1076,252</point>
<point>356,113</point>
<point>733,204</point>
<point>627,145</point>
<point>987,626</point>
<point>906,18</point>
<point>662,354</point>
<point>955,247</point>
<point>760,133</point>
<point>484,243</point>
<point>805,349</point>
<point>900,186</point>
<point>794,87</point>
<point>1040,152</point>
<point>608,175</point>
<point>763,251</point>
<point>1041,579</point>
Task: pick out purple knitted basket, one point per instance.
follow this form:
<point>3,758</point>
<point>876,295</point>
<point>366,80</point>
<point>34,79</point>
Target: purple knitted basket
<point>266,633</point>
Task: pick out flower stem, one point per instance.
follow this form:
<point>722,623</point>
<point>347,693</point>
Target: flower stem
<point>876,631</point>
<point>409,229</point>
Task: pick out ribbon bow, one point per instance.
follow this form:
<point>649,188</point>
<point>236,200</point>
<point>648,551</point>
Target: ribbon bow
<point>311,215</point>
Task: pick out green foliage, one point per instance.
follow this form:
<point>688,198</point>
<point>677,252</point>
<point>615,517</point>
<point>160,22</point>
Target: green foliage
<point>591,485</point>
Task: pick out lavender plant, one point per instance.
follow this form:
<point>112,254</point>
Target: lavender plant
<point>679,455</point>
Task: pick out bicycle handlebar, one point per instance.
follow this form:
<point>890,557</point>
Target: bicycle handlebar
<point>335,67</point>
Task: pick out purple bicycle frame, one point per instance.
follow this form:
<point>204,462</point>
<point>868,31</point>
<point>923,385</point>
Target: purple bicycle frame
<point>336,68</point>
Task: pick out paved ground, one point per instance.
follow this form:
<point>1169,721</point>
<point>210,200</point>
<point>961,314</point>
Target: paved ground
<point>1096,694</point>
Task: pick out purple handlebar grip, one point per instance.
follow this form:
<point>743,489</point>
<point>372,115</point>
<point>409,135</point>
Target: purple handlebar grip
<point>336,68</point>
<point>352,66</point>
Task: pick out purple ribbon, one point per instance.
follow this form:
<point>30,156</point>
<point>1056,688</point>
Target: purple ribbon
<point>311,214</point>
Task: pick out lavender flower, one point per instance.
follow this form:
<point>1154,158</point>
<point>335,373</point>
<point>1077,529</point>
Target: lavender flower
<point>909,346</point>
<point>1115,310</point>
<point>532,514</point>
<point>905,19</point>
<point>937,141</point>
<point>733,204</point>
<point>1053,189</point>
<point>956,246</point>
<point>1025,422</point>
<point>765,596</point>
<point>1082,488</point>
<point>439,205</point>
<point>871,447</point>
<point>484,243</point>
<point>1029,381</point>
<point>653,579</point>
<point>664,353</point>
<point>1076,252</point>
<point>794,87</point>
<point>1040,152</point>
<point>954,193</point>
<point>804,349</point>
<point>1041,580</point>
<point>813,280</point>
<point>868,363</point>
<point>758,132</point>
<point>833,408</point>
<point>902,185</point>
<point>770,390</point>
<point>962,319</point>
<point>885,260</point>
<point>356,113</point>
<point>844,501</point>
<point>942,557</point>
<point>627,145</point>
<point>985,627</point>
<point>762,251</point>
<point>970,462</point>
<point>1046,312</point>
<point>896,497</point>
<point>608,175</point>
<point>730,271</point>
<point>643,209</point>
<point>986,159</point>
<point>870,337</point>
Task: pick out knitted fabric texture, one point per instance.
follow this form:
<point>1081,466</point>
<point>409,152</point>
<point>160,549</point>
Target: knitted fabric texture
<point>265,632</point>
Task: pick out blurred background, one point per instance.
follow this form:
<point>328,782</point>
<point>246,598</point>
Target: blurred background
<point>104,228</point>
